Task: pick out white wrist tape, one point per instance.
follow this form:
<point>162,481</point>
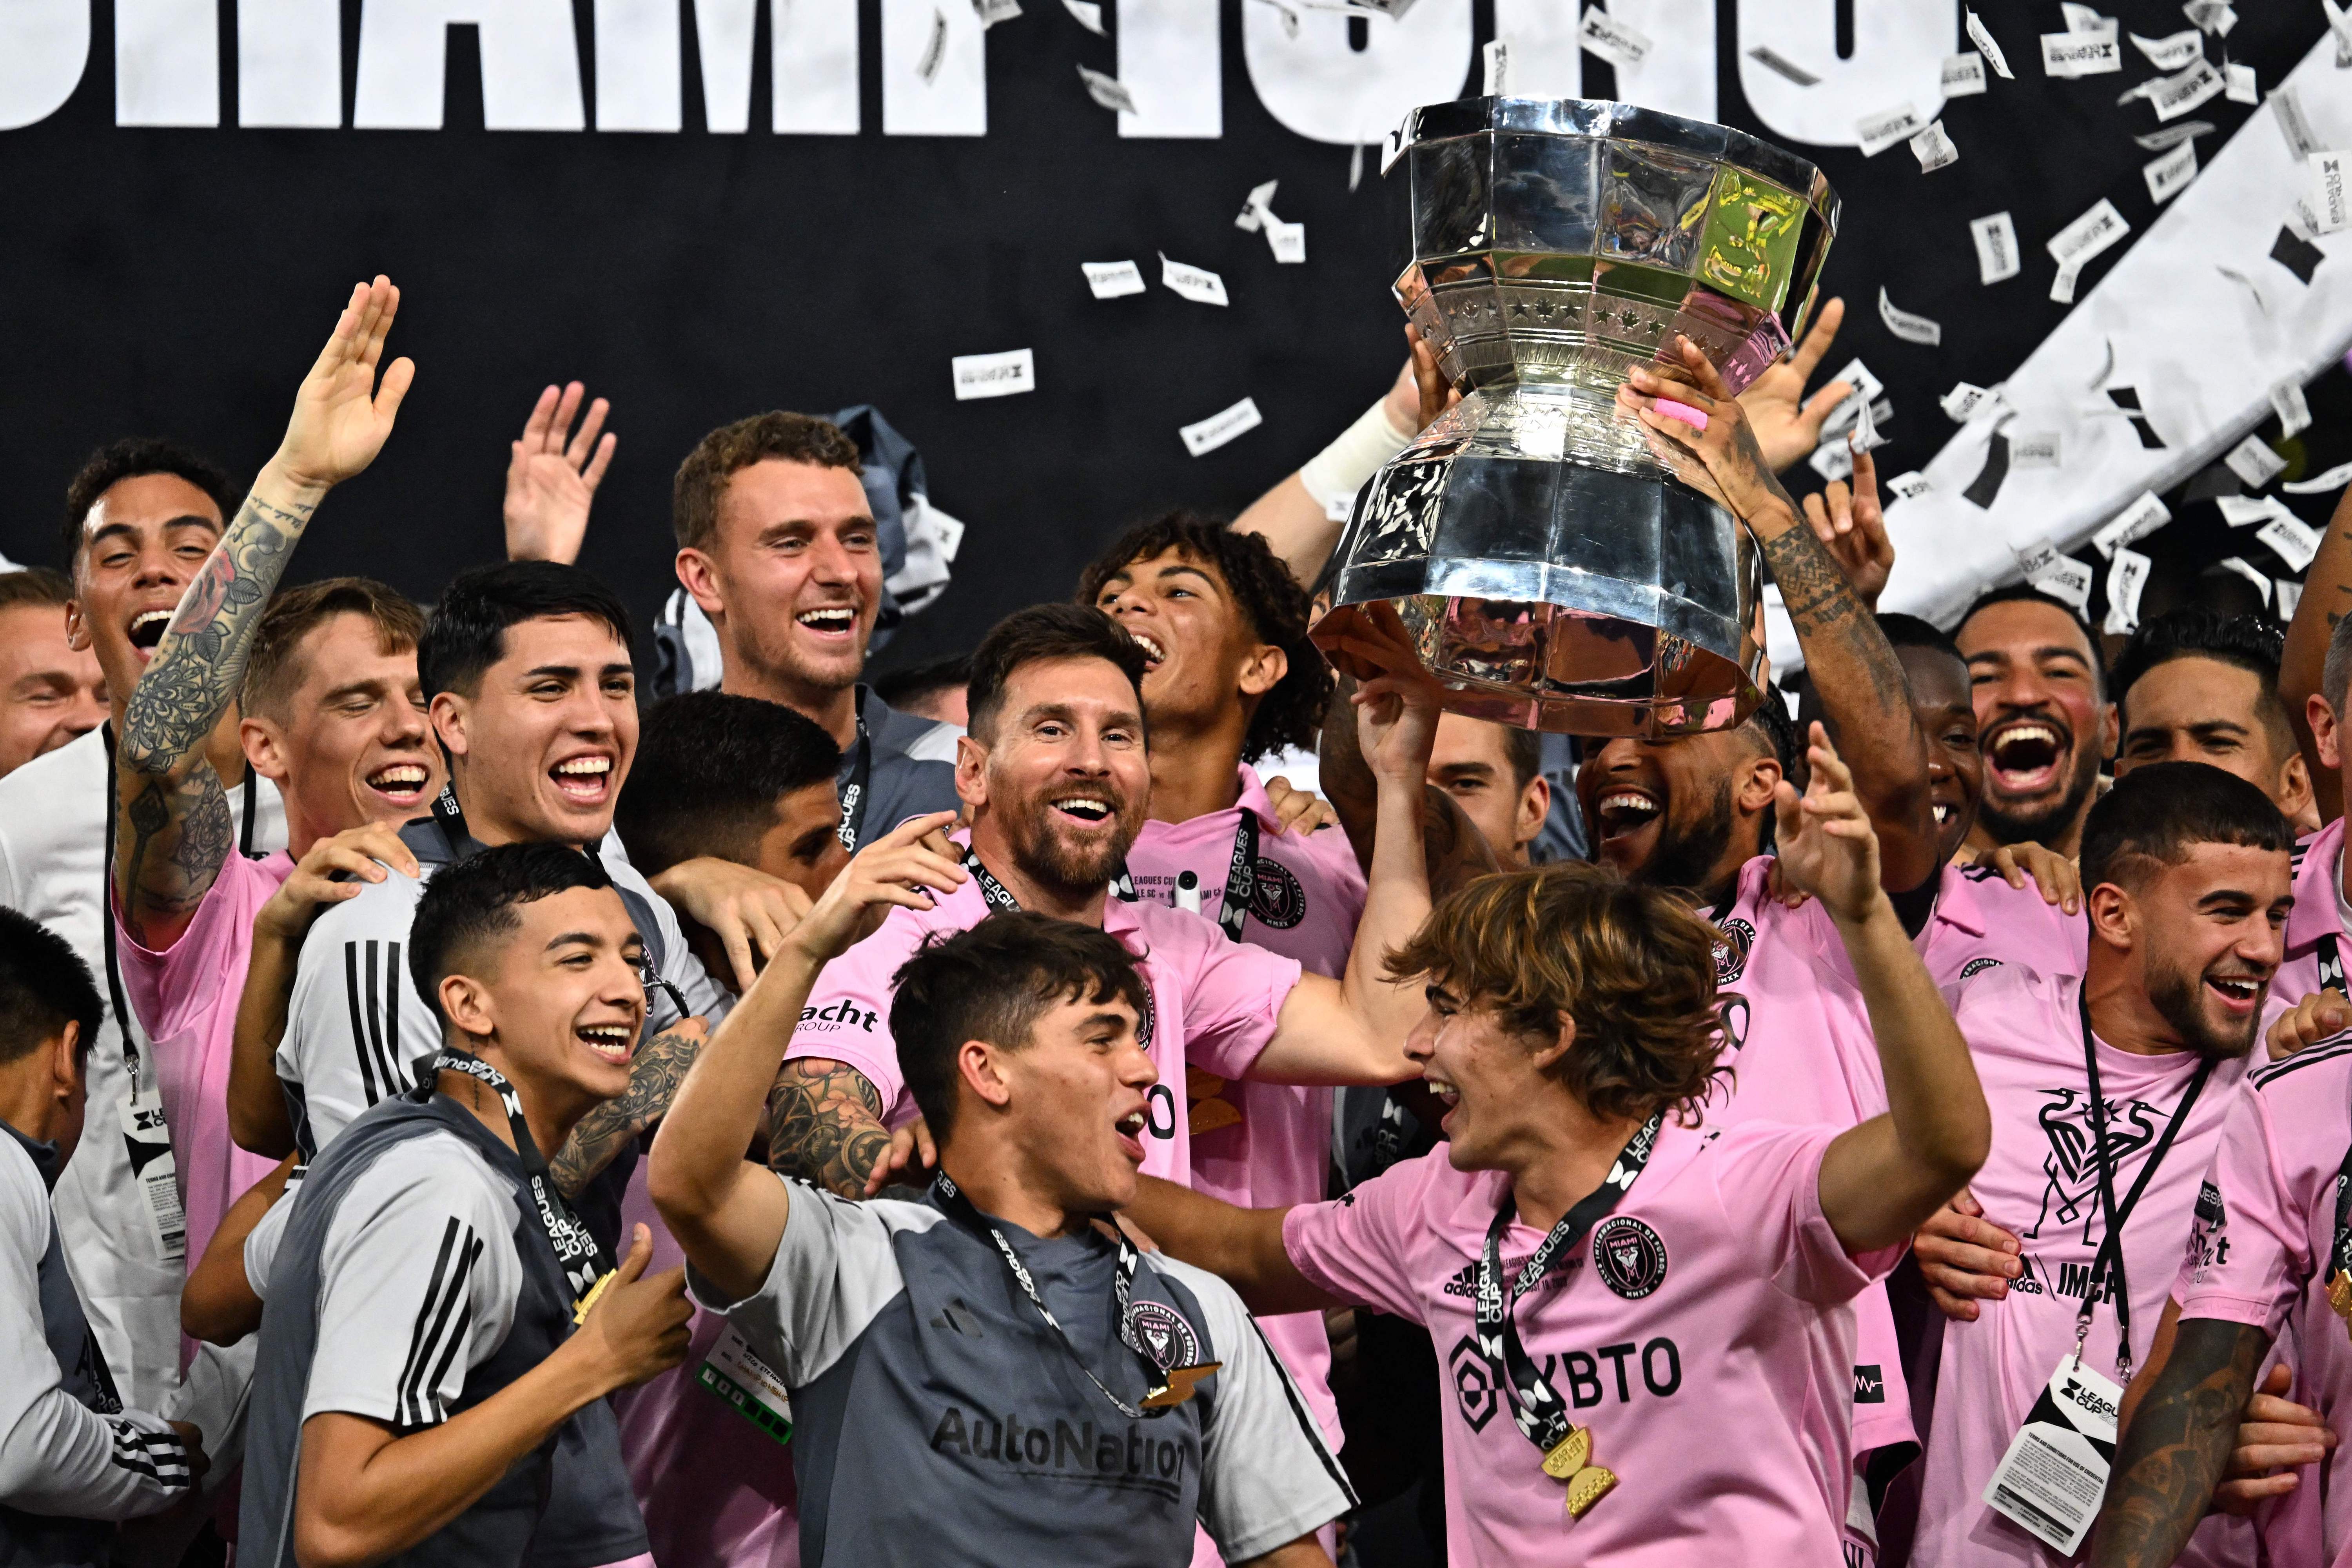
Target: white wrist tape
<point>1336,472</point>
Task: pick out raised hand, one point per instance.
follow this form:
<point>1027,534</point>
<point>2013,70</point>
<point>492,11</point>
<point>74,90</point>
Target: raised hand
<point>2057,878</point>
<point>1788,424</point>
<point>334,869</point>
<point>896,870</point>
<point>1852,527</point>
<point>746,909</point>
<point>1700,431</point>
<point>341,416</point>
<point>553,474</point>
<point>1421,392</point>
<point>1828,847</point>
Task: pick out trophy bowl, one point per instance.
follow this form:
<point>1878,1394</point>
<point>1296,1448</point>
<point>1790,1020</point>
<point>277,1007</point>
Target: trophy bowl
<point>1543,564</point>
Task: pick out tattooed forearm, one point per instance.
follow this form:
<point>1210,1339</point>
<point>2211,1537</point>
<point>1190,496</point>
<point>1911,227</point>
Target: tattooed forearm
<point>1812,583</point>
<point>655,1073</point>
<point>177,834</point>
<point>2172,1454</point>
<point>826,1125</point>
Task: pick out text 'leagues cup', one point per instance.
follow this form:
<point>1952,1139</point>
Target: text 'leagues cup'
<point>1545,566</point>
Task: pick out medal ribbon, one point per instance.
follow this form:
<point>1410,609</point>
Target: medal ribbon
<point>960,1208</point>
<point>583,1260</point>
<point>1540,1412</point>
<point>859,791</point>
<point>2109,1259</point>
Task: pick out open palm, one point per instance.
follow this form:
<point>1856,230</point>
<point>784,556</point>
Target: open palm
<point>1826,845</point>
<point>342,416</point>
<point>1788,426</point>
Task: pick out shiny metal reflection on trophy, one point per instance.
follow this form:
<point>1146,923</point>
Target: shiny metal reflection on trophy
<point>1543,563</point>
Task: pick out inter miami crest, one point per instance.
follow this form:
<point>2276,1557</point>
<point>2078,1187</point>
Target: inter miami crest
<point>1277,901</point>
<point>1734,937</point>
<point>1630,1255</point>
<point>1163,1335</point>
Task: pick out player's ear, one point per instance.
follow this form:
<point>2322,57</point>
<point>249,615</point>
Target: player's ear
<point>1263,669</point>
<point>1548,1054</point>
<point>2114,917</point>
<point>972,771</point>
<point>466,1002</point>
<point>447,714</point>
<point>982,1067</point>
<point>1757,781</point>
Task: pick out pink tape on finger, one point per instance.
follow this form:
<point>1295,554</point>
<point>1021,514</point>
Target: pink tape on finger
<point>1695,418</point>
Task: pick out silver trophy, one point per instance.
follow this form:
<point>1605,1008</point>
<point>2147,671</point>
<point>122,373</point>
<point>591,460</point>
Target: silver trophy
<point>1545,566</point>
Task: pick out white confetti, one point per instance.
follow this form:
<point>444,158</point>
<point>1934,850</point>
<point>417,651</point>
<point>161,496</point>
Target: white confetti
<point>2034,449</point>
<point>1864,436</point>
<point>2262,584</point>
<point>2169,54</point>
<point>1996,238</point>
<point>936,51</point>
<point>1960,404</point>
<point>2069,55</point>
<point>1288,240</point>
<point>994,375</point>
<point>1867,388</point>
<point>2128,573</point>
<point>2286,108</point>
<point>1911,329</point>
<point>1612,40</point>
<point>2062,577</point>
<point>1834,460</point>
<point>1258,209</point>
<point>1772,61</point>
<point>1220,427</point>
<point>992,12</point>
<point>2086,19</point>
<point>1355,165</point>
<point>2086,236</point>
<point>1090,16</point>
<point>1934,149</point>
<point>2330,201</point>
<point>1981,36</point>
<point>2215,16</point>
<point>2293,412</point>
<point>2335,479</point>
<point>1111,279</point>
<point>1497,57</point>
<point>2135,522</point>
<point>2290,595</point>
<point>1393,144</point>
<point>1883,130</point>
<point>1910,485</point>
<point>2340,22</point>
<point>2295,541</point>
<point>1108,90</point>
<point>2165,138</point>
<point>2240,87</point>
<point>2170,175</point>
<point>2253,462</point>
<point>1197,284</point>
<point>2173,96</point>
<point>2244,512</point>
<point>1964,74</point>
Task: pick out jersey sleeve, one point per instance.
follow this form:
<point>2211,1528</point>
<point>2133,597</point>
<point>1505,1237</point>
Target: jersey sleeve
<point>1233,996</point>
<point>1356,1245</point>
<point>57,1456</point>
<point>261,1242</point>
<point>2249,1246</point>
<point>1266,1475</point>
<point>834,1273</point>
<point>356,1028</point>
<point>1769,1179</point>
<point>417,1285</point>
<point>847,1016</point>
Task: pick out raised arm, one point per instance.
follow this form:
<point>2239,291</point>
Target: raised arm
<point>656,1071</point>
<point>1294,517</point>
<point>1241,1247</point>
<point>2180,1422</point>
<point>175,818</point>
<point>217,1305</point>
<point>1787,422</point>
<point>552,472</point>
<point>1882,1179</point>
<point>2327,598</point>
<point>1453,849</point>
<point>1851,662</point>
<point>727,1213</point>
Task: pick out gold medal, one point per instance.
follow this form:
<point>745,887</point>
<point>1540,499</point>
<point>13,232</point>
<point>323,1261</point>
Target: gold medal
<point>1570,1455</point>
<point>1178,1387</point>
<point>1588,1487</point>
<point>2339,1295</point>
<point>580,1313</point>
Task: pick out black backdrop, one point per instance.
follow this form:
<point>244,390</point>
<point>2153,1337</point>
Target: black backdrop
<point>178,282</point>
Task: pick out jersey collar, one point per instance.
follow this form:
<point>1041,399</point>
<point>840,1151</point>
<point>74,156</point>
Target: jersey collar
<point>2315,914</point>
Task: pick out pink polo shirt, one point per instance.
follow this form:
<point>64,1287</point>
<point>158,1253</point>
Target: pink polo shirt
<point>1980,921</point>
<point>2040,1184</point>
<point>2257,1254</point>
<point>1712,1368</point>
<point>1274,1146</point>
<point>186,999</point>
<point>1214,1003</point>
<point>2316,940</point>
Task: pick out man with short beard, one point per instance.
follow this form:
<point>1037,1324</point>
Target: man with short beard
<point>2043,719</point>
<point>1056,774</point>
<point>2109,1095</point>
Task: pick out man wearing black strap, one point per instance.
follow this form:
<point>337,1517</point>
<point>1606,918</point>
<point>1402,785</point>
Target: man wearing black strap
<point>994,1375</point>
<point>441,1327</point>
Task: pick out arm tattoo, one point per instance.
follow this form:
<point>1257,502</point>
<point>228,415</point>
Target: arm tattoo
<point>176,845</point>
<point>826,1125</point>
<point>2172,1455</point>
<point>1882,739</point>
<point>1813,584</point>
<point>655,1073</point>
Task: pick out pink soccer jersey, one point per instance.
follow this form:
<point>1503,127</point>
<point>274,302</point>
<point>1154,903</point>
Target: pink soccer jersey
<point>1275,1149</point>
<point>2040,1184</point>
<point>186,998</point>
<point>1703,1333</point>
<point>1214,1003</point>
<point>2257,1254</point>
<point>2315,939</point>
<point>1980,921</point>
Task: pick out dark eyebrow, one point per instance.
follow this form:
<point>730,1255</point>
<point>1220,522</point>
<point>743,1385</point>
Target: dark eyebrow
<point>583,938</point>
<point>2227,896</point>
<point>1115,1020</point>
<point>1179,568</point>
<point>1469,767</point>
<point>810,845</point>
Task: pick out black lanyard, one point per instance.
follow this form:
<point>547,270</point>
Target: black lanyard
<point>1002,901</point>
<point>105,896</point>
<point>859,791</point>
<point>960,1208</point>
<point>2109,1259</point>
<point>1241,877</point>
<point>1541,1413</point>
<point>583,1260</point>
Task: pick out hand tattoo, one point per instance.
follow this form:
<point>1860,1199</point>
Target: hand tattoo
<point>655,1073</point>
<point>826,1125</point>
<point>2173,1453</point>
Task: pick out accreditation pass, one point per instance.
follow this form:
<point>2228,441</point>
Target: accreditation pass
<point>2050,1480</point>
<point>736,1373</point>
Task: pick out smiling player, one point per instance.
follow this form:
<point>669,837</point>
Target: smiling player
<point>2043,717</point>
